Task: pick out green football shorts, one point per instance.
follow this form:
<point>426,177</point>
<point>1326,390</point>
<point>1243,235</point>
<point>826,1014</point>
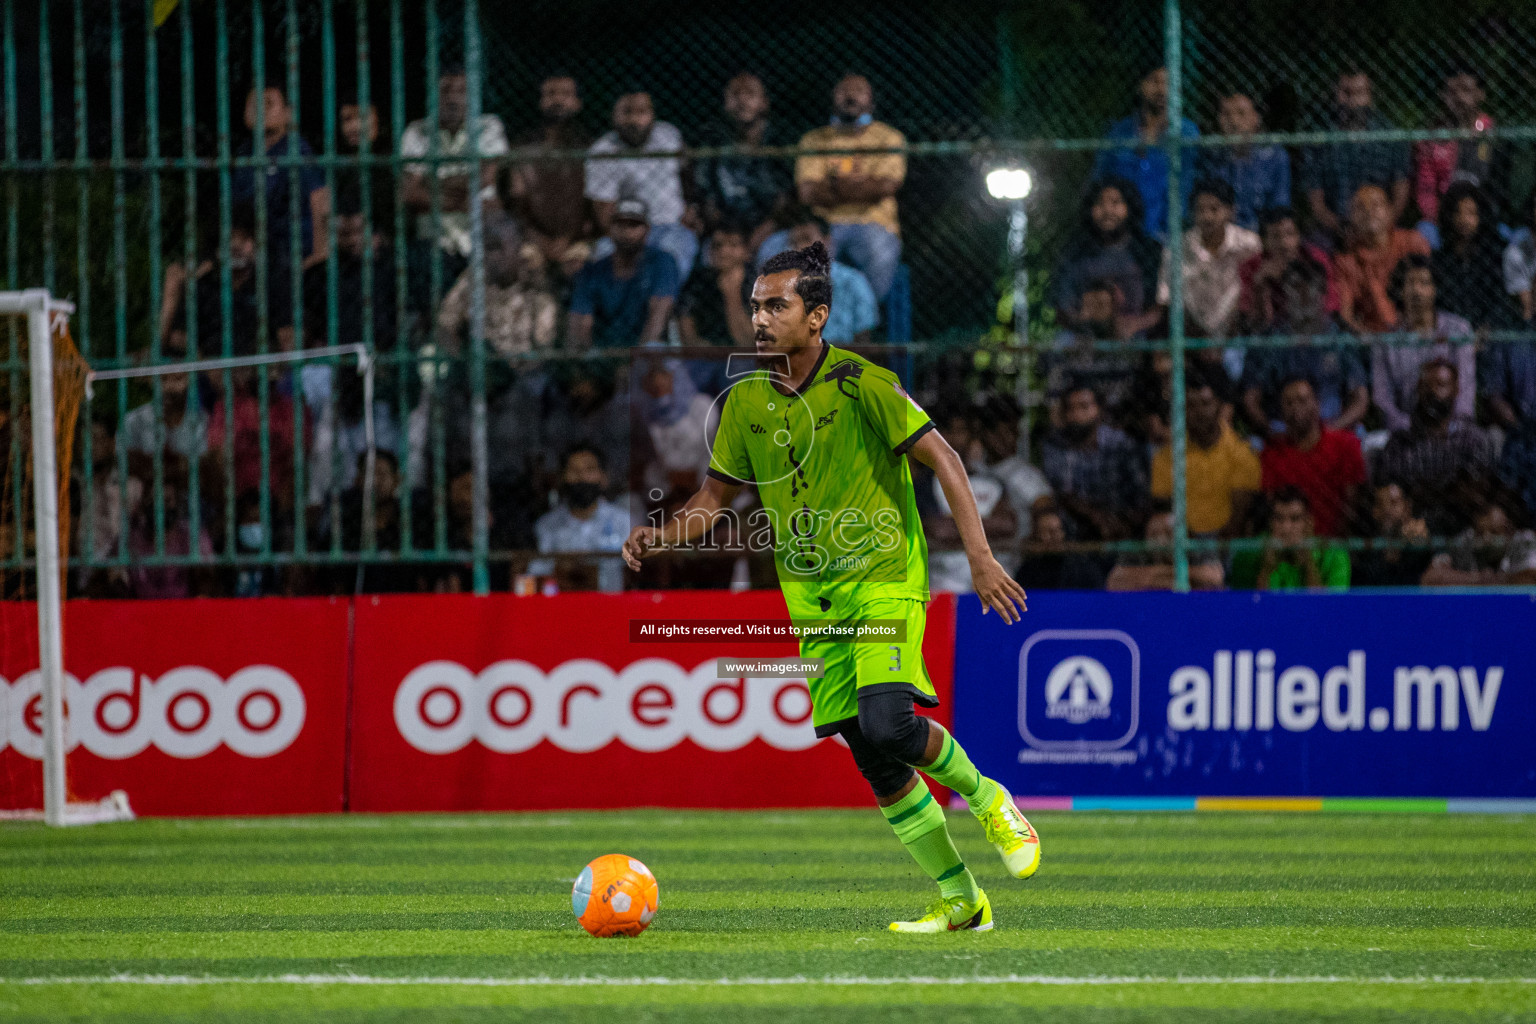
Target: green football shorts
<point>876,666</point>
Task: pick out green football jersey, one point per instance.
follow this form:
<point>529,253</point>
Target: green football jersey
<point>829,462</point>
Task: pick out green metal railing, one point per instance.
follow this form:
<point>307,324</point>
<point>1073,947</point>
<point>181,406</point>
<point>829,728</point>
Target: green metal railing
<point>1009,81</point>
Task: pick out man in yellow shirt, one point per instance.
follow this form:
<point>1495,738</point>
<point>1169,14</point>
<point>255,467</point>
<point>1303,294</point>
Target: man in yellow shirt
<point>855,193</point>
<point>1222,473</point>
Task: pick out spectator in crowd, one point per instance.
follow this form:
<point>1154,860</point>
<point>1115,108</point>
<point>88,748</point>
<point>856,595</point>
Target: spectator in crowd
<point>247,446</point>
<point>356,252</point>
<point>675,418</point>
<point>1467,264</point>
<point>1365,266</point>
<point>856,194</point>
<point>341,438</point>
<point>1439,453</point>
<point>114,502</point>
<point>165,582</point>
<point>520,313</point>
<point>1520,265</point>
<point>1075,359</point>
<point>278,140</point>
<point>997,426</point>
<point>562,404</point>
<point>245,320</point>
<point>1290,560</point>
<point>550,196</point>
<point>1260,303</point>
<point>1325,465</point>
<point>1112,246</point>
<point>1517,468</point>
<point>1395,367</point>
<point>584,521</point>
<point>252,580</point>
<point>1222,473</point>
<point>1475,162</point>
<point>1319,354</point>
<point>178,430</point>
<point>625,297</point>
<point>1214,249</point>
<point>1393,518</point>
<point>712,308</point>
<point>1507,383</point>
<point>1098,475</point>
<point>949,566</point>
<point>855,311</point>
<point>1260,176</point>
<point>389,577</point>
<point>1047,566</point>
<point>747,191</point>
<point>359,138</point>
<point>1153,569</point>
<point>1143,160</point>
<point>442,210</point>
<point>656,181</point>
<point>1333,173</point>
<point>1491,552</point>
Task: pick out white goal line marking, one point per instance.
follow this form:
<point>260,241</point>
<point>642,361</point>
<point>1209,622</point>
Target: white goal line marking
<point>568,982</point>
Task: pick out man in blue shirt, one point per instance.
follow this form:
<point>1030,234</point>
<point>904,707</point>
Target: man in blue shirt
<point>1333,173</point>
<point>626,297</point>
<point>855,313</point>
<point>1144,162</point>
<point>1260,176</point>
<point>314,198</point>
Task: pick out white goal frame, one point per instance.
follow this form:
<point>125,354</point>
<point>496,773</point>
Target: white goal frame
<point>38,306</point>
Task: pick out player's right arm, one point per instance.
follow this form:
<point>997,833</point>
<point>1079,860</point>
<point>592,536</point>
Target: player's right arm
<point>695,518</point>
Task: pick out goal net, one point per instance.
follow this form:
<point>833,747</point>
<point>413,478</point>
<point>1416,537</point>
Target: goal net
<point>41,394</point>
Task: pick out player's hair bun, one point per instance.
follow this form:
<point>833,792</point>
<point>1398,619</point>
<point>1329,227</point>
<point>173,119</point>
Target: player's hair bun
<point>818,261</point>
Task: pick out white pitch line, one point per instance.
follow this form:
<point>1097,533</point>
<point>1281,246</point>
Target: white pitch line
<point>568,982</point>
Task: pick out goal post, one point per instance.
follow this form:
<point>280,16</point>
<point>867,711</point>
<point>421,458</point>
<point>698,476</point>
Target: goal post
<point>47,466</point>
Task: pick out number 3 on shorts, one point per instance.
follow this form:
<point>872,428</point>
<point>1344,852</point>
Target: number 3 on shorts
<point>895,665</point>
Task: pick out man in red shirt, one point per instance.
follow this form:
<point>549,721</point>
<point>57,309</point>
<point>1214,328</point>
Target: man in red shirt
<point>1325,464</point>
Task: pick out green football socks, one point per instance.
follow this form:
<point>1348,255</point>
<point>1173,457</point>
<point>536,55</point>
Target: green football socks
<point>918,821</point>
<point>954,769</point>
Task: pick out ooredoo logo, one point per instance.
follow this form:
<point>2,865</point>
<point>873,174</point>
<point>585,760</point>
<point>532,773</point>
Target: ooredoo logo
<point>187,712</point>
<point>583,705</point>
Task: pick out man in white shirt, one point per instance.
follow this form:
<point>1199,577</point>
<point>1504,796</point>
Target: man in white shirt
<point>656,181</point>
<point>455,137</point>
<point>1214,249</point>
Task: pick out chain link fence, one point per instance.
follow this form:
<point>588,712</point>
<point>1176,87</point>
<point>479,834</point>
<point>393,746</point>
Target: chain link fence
<point>129,186</point>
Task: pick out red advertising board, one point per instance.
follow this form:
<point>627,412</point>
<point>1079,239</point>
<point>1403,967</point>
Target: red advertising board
<point>457,703</point>
<point>504,702</point>
<point>191,707</point>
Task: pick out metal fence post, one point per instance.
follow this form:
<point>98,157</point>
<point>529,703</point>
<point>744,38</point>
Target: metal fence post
<point>1172,141</point>
<point>480,523</point>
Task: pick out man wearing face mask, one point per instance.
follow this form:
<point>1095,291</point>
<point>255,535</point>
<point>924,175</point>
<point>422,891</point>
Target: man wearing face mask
<point>854,193</point>
<point>1439,450</point>
<point>583,521</point>
<point>550,196</point>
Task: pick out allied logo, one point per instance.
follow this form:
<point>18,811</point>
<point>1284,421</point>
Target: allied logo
<point>1078,690</point>
<point>1079,696</point>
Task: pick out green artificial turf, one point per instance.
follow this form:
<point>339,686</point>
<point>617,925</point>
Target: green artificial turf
<point>776,916</point>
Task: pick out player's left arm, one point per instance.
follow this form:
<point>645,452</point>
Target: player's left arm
<point>994,586</point>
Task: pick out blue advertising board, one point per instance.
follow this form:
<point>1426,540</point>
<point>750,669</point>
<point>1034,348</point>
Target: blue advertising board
<point>1249,694</point>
